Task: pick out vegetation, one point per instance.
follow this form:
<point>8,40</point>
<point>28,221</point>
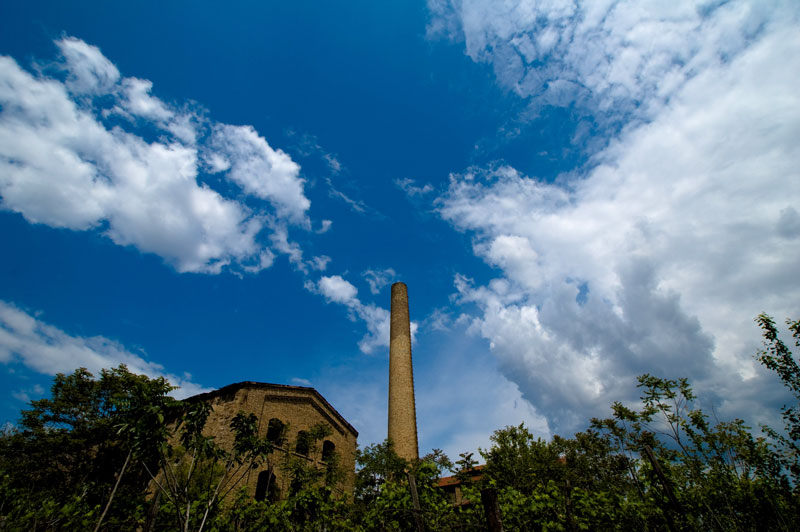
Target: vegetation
<point>116,453</point>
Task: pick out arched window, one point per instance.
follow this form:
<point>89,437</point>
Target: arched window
<point>267,487</point>
<point>275,431</point>
<point>303,445</point>
<point>328,448</point>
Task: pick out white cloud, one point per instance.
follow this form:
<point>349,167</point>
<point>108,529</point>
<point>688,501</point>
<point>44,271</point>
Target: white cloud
<point>61,165</point>
<point>378,321</point>
<point>364,406</point>
<point>319,263</point>
<point>324,227</point>
<point>89,72</point>
<point>475,417</point>
<point>26,394</point>
<point>439,320</point>
<point>137,101</point>
<point>336,289</point>
<point>265,260</point>
<point>357,205</point>
<point>407,185</point>
<point>333,163</point>
<point>260,170</point>
<point>613,59</point>
<point>282,244</point>
<point>450,414</point>
<point>49,350</point>
<point>21,395</point>
<point>658,258</point>
<point>377,279</point>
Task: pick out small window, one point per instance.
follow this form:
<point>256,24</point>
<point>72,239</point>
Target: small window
<point>328,448</point>
<point>303,445</point>
<point>267,487</point>
<point>295,486</point>
<point>275,431</point>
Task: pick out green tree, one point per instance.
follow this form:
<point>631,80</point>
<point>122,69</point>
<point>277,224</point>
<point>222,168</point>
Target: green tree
<point>196,476</point>
<point>76,457</point>
<point>440,460</point>
<point>302,469</point>
<point>377,464</point>
<point>777,357</point>
<point>518,460</point>
<point>705,475</point>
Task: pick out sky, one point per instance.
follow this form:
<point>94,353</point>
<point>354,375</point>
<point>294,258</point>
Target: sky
<point>574,193</point>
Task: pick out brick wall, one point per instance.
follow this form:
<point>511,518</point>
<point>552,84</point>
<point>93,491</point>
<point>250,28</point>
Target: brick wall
<point>298,407</point>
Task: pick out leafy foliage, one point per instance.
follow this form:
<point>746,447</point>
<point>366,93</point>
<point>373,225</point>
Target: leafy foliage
<point>59,467</point>
<point>778,358</point>
<point>196,477</point>
<point>117,453</point>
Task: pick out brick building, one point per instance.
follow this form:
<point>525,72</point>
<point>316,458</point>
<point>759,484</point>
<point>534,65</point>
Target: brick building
<point>290,411</point>
<point>452,485</point>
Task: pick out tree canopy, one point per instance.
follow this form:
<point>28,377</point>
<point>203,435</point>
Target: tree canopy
<point>117,453</point>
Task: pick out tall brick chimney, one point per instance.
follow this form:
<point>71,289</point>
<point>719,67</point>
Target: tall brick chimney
<point>402,412</point>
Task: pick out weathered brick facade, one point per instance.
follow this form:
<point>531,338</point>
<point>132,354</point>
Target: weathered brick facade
<point>300,408</point>
<point>402,412</point>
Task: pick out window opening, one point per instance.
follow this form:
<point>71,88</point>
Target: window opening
<point>275,431</point>
<point>328,448</point>
<point>303,445</point>
<point>267,487</point>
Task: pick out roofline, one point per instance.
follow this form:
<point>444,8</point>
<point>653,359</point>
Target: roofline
<point>267,385</point>
<point>477,474</point>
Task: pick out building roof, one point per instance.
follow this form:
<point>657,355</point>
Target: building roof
<point>233,388</point>
<point>475,475</point>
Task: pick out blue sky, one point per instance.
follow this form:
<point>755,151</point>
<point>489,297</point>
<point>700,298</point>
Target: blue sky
<point>574,194</point>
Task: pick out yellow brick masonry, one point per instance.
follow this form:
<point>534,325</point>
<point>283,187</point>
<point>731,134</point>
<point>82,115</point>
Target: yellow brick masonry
<point>299,407</point>
<point>402,412</point>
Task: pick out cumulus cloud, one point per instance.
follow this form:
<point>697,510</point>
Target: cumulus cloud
<point>63,164</point>
<point>449,410</point>
<point>660,255</point>
<point>448,369</point>
<point>337,290</point>
<point>377,320</point>
<point>260,170</point>
<point>49,350</point>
